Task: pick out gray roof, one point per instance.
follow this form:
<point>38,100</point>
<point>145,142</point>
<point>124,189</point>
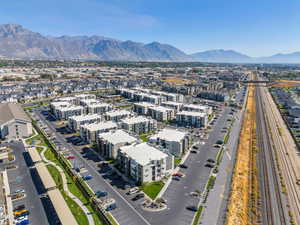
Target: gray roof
<point>10,111</point>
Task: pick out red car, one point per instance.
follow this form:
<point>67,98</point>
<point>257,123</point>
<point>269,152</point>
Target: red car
<point>71,157</point>
<point>177,174</point>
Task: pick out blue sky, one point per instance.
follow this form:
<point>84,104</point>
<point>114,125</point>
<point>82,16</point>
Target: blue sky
<point>254,27</point>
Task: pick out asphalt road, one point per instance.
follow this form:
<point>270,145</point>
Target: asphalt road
<point>126,213</point>
<point>21,179</point>
<point>129,212</point>
<point>196,176</point>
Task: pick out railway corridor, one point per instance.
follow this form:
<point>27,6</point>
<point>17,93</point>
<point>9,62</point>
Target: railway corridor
<point>285,154</point>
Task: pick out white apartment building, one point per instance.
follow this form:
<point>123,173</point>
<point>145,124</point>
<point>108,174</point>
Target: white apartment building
<point>141,108</point>
<point>108,143</point>
<point>99,108</point>
<point>63,113</point>
<point>144,163</point>
<point>83,97</point>
<point>169,96</point>
<point>161,113</point>
<point>194,119</point>
<point>87,102</point>
<point>175,141</point>
<point>55,105</point>
<point>177,106</point>
<point>139,124</point>
<point>74,122</point>
<point>90,132</point>
<point>198,108</point>
<point>117,115</point>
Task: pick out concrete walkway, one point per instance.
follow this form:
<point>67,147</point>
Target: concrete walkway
<point>65,183</point>
<point>66,189</point>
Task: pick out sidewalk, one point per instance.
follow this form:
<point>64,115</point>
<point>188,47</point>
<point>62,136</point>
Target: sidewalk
<point>222,184</point>
<point>8,199</point>
<point>66,189</point>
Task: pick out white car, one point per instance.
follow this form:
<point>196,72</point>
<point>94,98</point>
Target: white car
<point>133,191</point>
<point>20,219</point>
<point>19,191</point>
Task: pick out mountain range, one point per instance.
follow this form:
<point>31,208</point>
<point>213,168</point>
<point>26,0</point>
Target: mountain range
<point>17,42</point>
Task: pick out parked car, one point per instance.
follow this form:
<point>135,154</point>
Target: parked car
<point>138,196</point>
<point>192,208</point>
<point>100,194</point>
<point>87,177</point>
<point>71,157</point>
<point>193,151</point>
<point>177,174</point>
<point>20,207</point>
<point>111,207</point>
<point>211,160</point>
<point>176,178</point>
<point>183,166</point>
<point>133,191</point>
<point>19,191</point>
<point>209,165</point>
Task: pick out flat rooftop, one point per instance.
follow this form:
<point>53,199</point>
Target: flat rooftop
<point>190,113</point>
<point>169,135</point>
<point>100,126</point>
<point>144,104</point>
<point>143,153</point>
<point>117,113</point>
<point>161,108</point>
<point>137,119</point>
<point>117,136</point>
<point>86,117</point>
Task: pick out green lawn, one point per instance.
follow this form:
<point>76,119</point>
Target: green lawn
<point>111,219</point>
<point>144,137</point>
<point>211,182</point>
<point>76,210</point>
<point>177,161</point>
<point>152,189</point>
<point>197,216</point>
<point>55,174</point>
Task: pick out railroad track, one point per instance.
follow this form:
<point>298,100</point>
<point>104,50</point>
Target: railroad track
<point>290,173</point>
<point>273,209</point>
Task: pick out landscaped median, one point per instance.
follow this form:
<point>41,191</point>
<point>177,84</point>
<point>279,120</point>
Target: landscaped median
<point>75,184</point>
<point>152,189</point>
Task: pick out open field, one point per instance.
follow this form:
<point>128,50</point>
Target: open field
<point>240,198</point>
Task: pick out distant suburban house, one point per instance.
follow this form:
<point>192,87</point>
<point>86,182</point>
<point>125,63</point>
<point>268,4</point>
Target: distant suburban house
<point>14,123</point>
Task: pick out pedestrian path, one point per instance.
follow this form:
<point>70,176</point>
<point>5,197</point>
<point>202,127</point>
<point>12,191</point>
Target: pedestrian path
<point>66,189</point>
<point>65,184</point>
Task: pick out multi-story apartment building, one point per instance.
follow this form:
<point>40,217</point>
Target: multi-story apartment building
<point>57,104</point>
<point>99,108</point>
<point>108,143</point>
<point>176,142</point>
<point>194,119</point>
<point>63,113</point>
<point>139,124</point>
<point>177,106</point>
<point>141,108</point>
<point>144,163</point>
<point>161,113</point>
<point>117,115</point>
<point>74,122</point>
<point>90,132</point>
<point>198,108</point>
<point>83,97</point>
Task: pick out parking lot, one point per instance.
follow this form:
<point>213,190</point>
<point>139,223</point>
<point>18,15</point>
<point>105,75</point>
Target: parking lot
<point>20,180</point>
<point>104,179</point>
